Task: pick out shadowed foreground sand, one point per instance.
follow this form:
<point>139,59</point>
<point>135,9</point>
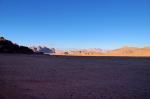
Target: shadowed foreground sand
<point>58,77</point>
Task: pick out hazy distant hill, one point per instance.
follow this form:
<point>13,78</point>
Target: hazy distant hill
<point>82,52</point>
<point>124,51</point>
<point>130,51</point>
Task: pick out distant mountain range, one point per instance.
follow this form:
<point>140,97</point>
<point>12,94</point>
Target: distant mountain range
<point>130,51</point>
<point>7,46</point>
<point>124,51</point>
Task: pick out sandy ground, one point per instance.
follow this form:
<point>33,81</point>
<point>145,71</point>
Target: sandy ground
<point>58,77</point>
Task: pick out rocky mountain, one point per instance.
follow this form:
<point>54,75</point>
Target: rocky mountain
<point>7,46</point>
<point>43,49</point>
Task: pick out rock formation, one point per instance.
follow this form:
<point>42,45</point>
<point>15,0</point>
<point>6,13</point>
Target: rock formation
<point>44,50</point>
<point>7,46</point>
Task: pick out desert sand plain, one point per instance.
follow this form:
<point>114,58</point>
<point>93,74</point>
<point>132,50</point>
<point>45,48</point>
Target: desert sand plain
<point>67,77</point>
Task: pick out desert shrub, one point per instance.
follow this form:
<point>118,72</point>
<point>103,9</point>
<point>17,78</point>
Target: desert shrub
<point>66,53</point>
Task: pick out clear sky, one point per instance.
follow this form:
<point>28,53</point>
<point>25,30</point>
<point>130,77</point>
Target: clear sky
<point>104,24</point>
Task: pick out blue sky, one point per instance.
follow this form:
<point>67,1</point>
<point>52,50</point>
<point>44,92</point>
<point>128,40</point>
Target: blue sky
<point>104,24</point>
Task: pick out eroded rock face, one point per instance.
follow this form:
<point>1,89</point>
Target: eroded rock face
<point>6,46</point>
<point>44,50</point>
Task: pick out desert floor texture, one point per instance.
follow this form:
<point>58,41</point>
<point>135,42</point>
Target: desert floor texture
<point>66,77</point>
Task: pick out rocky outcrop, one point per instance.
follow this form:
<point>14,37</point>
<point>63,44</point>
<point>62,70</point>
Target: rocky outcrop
<point>7,46</point>
<point>44,50</point>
